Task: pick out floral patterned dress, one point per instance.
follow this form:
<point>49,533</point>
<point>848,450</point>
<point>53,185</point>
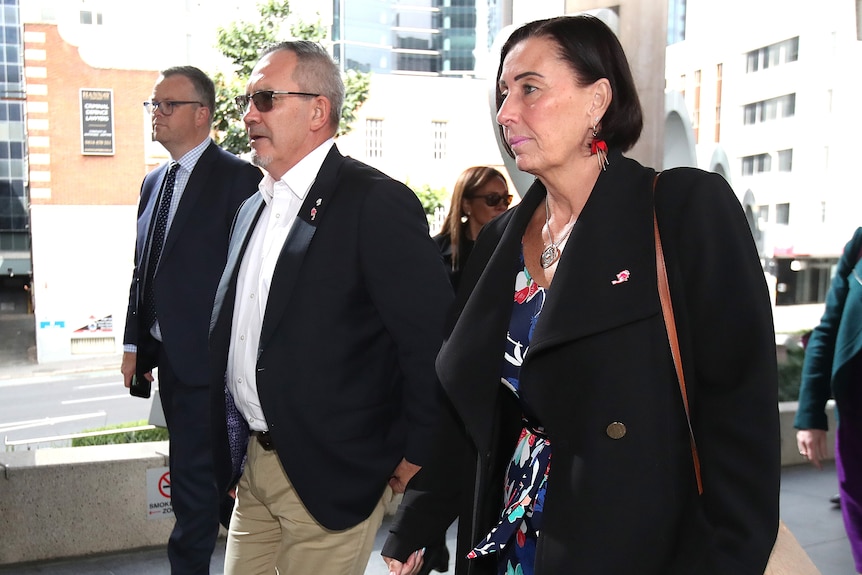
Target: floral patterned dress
<point>515,536</point>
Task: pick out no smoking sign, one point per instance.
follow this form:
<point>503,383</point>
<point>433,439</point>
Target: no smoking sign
<point>159,493</point>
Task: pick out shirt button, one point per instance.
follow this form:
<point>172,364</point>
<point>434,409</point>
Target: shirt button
<point>251,296</point>
<point>242,337</point>
<point>277,216</point>
<point>239,380</point>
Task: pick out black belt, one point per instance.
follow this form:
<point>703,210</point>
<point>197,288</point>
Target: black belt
<point>265,439</point>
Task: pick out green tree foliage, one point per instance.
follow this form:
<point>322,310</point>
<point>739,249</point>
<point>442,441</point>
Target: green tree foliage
<point>790,368</point>
<point>431,199</point>
<point>241,43</point>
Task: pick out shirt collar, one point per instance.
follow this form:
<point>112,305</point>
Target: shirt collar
<point>299,178</point>
<point>188,161</point>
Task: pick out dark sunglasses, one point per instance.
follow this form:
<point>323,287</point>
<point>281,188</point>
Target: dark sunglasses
<point>263,99</point>
<point>492,200</point>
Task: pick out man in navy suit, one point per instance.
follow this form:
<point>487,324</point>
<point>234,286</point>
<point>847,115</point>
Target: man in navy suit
<point>184,216</point>
<point>325,327</point>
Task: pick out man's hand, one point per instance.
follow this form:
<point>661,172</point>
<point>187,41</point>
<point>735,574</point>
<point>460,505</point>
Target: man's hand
<point>812,444</point>
<point>127,368</point>
<point>402,475</point>
<point>413,564</point>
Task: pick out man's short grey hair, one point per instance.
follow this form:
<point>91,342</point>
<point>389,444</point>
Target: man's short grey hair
<point>317,72</point>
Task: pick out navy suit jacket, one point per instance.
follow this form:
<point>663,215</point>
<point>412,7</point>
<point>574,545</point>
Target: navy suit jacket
<point>353,323</point>
<point>191,262</point>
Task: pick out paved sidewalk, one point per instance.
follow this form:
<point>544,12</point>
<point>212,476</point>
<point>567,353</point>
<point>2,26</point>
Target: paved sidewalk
<point>805,508</point>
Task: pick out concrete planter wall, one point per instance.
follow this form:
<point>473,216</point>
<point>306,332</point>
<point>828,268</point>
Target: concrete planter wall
<point>77,501</point>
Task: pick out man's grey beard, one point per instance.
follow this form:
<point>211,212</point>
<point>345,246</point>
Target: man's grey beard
<point>260,161</point>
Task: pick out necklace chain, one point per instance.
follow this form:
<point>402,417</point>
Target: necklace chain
<point>552,253</point>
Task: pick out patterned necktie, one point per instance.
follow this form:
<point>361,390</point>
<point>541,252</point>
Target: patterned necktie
<point>237,433</point>
<point>157,240</point>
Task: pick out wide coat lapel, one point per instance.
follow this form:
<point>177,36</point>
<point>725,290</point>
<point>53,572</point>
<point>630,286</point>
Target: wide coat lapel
<point>149,197</point>
<point>246,218</point>
<point>469,362</point>
<point>613,235</point>
<point>192,193</point>
<point>287,270</point>
<point>606,276</point>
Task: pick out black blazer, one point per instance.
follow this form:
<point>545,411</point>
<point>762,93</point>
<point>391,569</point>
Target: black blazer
<point>600,355</point>
<point>191,262</point>
<point>353,323</point>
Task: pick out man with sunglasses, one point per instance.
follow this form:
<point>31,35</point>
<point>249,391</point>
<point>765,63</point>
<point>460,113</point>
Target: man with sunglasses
<point>184,216</point>
<point>328,318</point>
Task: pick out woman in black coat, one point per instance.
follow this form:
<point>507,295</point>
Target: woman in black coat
<point>566,448</point>
<point>480,195</point>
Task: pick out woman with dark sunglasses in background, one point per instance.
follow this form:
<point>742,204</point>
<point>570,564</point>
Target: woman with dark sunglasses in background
<point>481,194</point>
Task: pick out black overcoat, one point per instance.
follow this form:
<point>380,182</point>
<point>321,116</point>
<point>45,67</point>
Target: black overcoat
<point>600,357</point>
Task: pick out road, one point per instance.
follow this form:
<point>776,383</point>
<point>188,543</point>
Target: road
<point>35,408</point>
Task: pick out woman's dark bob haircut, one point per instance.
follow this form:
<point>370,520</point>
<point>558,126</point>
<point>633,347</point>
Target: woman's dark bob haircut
<point>593,52</point>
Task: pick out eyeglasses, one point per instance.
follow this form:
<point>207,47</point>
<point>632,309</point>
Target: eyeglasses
<point>167,106</point>
<point>494,199</point>
<point>263,99</point>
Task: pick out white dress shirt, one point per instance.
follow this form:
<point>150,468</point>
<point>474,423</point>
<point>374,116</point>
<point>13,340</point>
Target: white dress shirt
<point>283,198</point>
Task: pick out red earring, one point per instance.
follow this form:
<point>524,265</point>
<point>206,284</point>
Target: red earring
<point>599,148</point>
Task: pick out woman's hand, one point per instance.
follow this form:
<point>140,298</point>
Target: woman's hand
<point>402,476</point>
<point>812,444</point>
<point>411,567</point>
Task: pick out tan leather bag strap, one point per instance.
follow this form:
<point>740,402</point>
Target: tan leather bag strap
<point>673,339</point>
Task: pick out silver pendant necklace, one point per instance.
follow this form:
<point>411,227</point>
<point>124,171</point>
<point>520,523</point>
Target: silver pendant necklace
<point>552,253</point>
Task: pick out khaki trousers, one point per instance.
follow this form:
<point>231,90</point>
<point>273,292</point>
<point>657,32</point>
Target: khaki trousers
<point>272,532</point>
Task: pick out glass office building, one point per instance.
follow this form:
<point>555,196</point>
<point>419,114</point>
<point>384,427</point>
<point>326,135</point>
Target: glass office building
<point>14,205</point>
<point>434,37</point>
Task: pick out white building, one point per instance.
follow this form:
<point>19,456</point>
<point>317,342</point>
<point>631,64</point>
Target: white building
<point>774,86</point>
<point>769,87</point>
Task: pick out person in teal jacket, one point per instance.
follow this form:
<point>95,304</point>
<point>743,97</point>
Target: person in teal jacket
<point>833,368</point>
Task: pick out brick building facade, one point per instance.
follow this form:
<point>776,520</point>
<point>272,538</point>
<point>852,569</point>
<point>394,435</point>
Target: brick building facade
<point>83,192</point>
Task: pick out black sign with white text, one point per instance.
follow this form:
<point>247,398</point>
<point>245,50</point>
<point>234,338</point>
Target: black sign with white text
<point>97,122</point>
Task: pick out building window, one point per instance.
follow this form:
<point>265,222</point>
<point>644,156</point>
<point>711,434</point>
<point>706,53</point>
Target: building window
<point>756,164</point>
<point>772,55</point>
<point>785,160</point>
<point>718,72</point>
<point>772,109</point>
<point>751,61</point>
<point>803,280</point>
<point>782,213</point>
<point>675,21</point>
<point>440,131</point>
<point>788,105</point>
<point>695,120</point>
<point>749,114</point>
<point>763,214</point>
<point>90,17</point>
<point>373,138</point>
